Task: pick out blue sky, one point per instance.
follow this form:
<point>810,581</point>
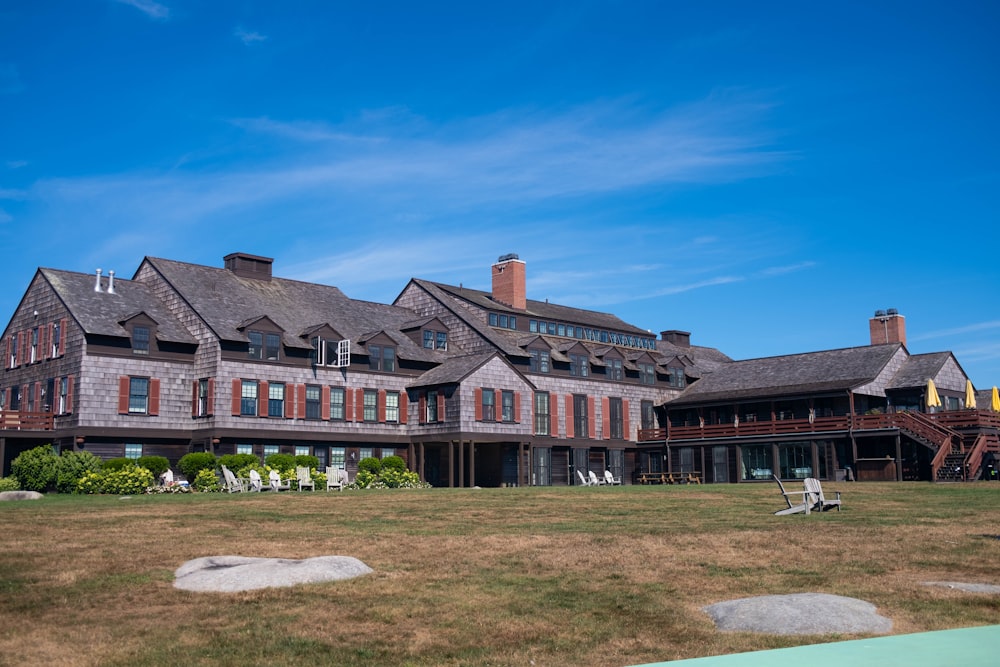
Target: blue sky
<point>764,175</point>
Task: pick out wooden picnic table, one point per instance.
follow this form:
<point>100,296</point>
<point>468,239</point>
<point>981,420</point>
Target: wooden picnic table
<point>669,478</point>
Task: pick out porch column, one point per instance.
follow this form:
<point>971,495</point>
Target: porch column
<point>899,459</point>
<point>411,457</point>
<point>472,463</point>
<point>3,455</point>
<point>451,464</point>
<point>421,461</point>
<point>461,463</point>
<point>520,464</point>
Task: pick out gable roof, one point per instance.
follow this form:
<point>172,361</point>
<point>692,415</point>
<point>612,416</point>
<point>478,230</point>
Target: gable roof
<point>224,300</point>
<point>456,369</point>
<point>104,314</point>
<point>771,377</point>
<point>919,368</point>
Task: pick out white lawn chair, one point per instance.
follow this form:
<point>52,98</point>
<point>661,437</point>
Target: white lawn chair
<point>334,480</point>
<point>304,479</point>
<point>817,500</point>
<point>276,484</point>
<point>256,484</point>
<point>610,479</point>
<point>584,480</point>
<point>232,484</point>
<point>167,478</point>
<point>595,480</point>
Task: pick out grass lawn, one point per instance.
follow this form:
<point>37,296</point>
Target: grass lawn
<point>542,576</point>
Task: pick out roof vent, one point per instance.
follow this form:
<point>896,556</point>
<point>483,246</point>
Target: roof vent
<point>879,313</point>
<point>509,256</point>
<point>97,285</point>
<point>111,281</point>
<point>891,312</point>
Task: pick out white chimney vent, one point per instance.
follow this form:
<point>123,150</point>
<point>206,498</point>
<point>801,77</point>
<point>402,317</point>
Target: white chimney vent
<point>111,281</point>
<point>97,285</point>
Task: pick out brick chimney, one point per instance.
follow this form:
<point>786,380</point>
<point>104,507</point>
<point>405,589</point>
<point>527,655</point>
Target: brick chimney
<point>509,282</point>
<point>887,326</point>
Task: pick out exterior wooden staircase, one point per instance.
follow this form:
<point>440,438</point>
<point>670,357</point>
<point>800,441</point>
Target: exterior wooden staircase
<point>949,461</point>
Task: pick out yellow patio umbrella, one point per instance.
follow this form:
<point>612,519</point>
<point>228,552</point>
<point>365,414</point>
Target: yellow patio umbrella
<point>970,395</point>
<point>995,403</point>
<point>932,399</point>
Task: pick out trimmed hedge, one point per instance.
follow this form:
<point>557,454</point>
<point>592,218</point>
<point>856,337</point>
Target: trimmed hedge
<point>191,464</point>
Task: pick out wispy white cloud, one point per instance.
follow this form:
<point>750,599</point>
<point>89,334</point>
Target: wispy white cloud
<point>790,268</point>
<point>304,131</point>
<point>5,216</point>
<point>150,8</point>
<point>958,331</point>
<point>16,164</point>
<point>249,36</point>
<point>13,194</point>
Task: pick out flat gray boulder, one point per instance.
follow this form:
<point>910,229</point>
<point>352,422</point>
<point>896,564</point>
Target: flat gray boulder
<point>964,586</point>
<point>20,495</point>
<point>231,574</point>
<point>799,614</point>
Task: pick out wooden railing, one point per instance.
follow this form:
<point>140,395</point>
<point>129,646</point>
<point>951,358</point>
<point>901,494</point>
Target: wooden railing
<point>12,420</point>
<point>936,429</point>
<point>974,459</point>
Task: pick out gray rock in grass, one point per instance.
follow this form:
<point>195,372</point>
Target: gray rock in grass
<point>799,614</point>
<point>231,574</point>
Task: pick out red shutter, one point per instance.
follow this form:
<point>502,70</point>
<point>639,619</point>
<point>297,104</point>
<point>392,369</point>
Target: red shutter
<point>6,356</point>
<point>300,401</point>
<point>43,349</point>
<point>591,419</point>
<point>261,399</point>
<point>324,403</point>
<point>479,404</point>
<point>441,406</point>
<point>69,394</point>
<point>605,418</point>
<point>625,421</point>
<point>62,336</point>
<point>359,405</point>
<point>291,400</point>
<point>498,406</point>
<point>422,406</point>
<point>237,391</point>
<point>517,407</point>
<point>381,405</point>
<point>554,414</point>
<point>4,399</point>
<point>154,396</point>
<point>123,383</point>
<point>194,398</point>
<point>22,356</point>
<point>348,405</point>
<point>210,408</point>
<point>570,429</point>
<point>38,398</point>
<point>404,406</point>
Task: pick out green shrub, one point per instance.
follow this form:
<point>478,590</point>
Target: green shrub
<point>154,464</point>
<point>206,480</point>
<point>130,480</point>
<point>307,461</point>
<point>238,461</point>
<point>72,466</point>
<point>280,462</point>
<point>394,463</point>
<point>370,464</point>
<point>119,463</point>
<point>9,484</point>
<point>35,469</point>
<point>191,464</point>
<point>365,479</point>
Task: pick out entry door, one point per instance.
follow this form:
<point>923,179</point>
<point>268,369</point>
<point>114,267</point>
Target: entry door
<point>720,464</point>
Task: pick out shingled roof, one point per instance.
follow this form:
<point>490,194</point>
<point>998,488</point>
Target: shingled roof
<point>919,368</point>
<point>456,369</point>
<point>224,300</point>
<point>771,377</point>
<point>103,313</point>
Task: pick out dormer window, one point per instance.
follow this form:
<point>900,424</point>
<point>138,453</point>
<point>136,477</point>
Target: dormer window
<point>647,374</point>
<point>263,345</point>
<point>578,365</point>
<point>614,370</point>
<point>538,361</point>
<point>676,377</point>
<point>140,340</point>
<point>435,340</point>
<point>382,358</point>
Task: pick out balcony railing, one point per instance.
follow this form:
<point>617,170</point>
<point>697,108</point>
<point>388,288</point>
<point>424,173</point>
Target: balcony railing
<point>933,424</point>
<point>13,420</point>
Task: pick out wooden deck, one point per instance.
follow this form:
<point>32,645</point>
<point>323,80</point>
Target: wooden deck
<point>12,420</point>
<point>938,423</point>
